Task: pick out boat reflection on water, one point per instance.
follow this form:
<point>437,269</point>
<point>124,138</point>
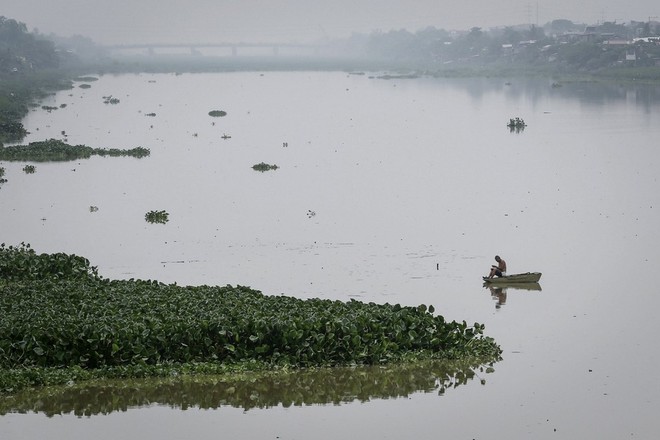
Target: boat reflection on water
<point>320,386</point>
<point>499,291</point>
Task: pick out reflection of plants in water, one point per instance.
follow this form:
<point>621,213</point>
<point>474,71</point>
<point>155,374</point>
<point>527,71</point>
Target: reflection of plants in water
<point>29,169</point>
<point>56,150</point>
<point>320,386</point>
<point>161,217</point>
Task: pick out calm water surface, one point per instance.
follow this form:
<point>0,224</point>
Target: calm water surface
<point>388,191</point>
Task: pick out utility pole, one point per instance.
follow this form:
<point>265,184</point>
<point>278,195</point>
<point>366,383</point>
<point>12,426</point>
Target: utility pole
<point>537,13</point>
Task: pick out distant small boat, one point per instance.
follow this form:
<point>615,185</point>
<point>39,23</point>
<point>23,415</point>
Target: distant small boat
<point>528,277</point>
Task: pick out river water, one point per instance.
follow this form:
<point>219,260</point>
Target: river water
<point>388,190</point>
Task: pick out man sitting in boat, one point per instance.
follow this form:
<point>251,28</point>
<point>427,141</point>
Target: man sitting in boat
<point>499,270</point>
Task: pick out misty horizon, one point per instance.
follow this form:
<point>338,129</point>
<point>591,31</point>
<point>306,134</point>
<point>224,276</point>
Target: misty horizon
<point>296,21</point>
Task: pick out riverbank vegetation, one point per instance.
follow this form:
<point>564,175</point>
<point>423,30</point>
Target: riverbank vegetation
<point>63,322</point>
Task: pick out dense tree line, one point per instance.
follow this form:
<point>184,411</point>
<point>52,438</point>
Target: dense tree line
<point>28,63</point>
<point>22,51</point>
<point>560,45</point>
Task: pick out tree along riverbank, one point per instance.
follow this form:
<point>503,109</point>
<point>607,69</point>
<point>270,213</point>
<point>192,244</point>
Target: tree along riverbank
<point>63,322</point>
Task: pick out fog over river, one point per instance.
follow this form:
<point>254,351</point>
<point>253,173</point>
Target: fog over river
<point>387,190</point>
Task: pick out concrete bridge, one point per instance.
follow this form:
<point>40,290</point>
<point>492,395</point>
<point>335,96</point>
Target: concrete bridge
<point>236,48</point>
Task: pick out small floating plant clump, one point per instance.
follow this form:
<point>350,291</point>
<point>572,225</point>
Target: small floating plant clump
<point>262,167</point>
<point>160,217</point>
<point>110,100</point>
<point>29,169</point>
<point>85,86</point>
<point>516,124</point>
<point>217,113</point>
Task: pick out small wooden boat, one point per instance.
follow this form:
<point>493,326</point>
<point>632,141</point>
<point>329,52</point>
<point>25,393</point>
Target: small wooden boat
<point>528,277</point>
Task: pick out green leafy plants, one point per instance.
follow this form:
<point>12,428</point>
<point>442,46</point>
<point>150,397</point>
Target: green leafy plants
<point>161,217</point>
<point>24,264</point>
<point>57,150</point>
<point>29,169</point>
<point>61,321</point>
<point>217,113</point>
<point>263,167</point>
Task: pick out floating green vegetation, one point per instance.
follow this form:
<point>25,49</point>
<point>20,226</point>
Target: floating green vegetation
<point>2,176</point>
<point>110,100</point>
<point>29,169</point>
<point>57,150</point>
<point>82,326</point>
<point>262,167</point>
<point>93,208</point>
<point>217,113</point>
<point>516,124</point>
<point>48,108</point>
<point>85,86</point>
<point>22,263</point>
<point>160,217</point>
<point>87,78</point>
<point>150,114</point>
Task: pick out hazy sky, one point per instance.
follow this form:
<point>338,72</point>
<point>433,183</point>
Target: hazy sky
<point>125,21</point>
